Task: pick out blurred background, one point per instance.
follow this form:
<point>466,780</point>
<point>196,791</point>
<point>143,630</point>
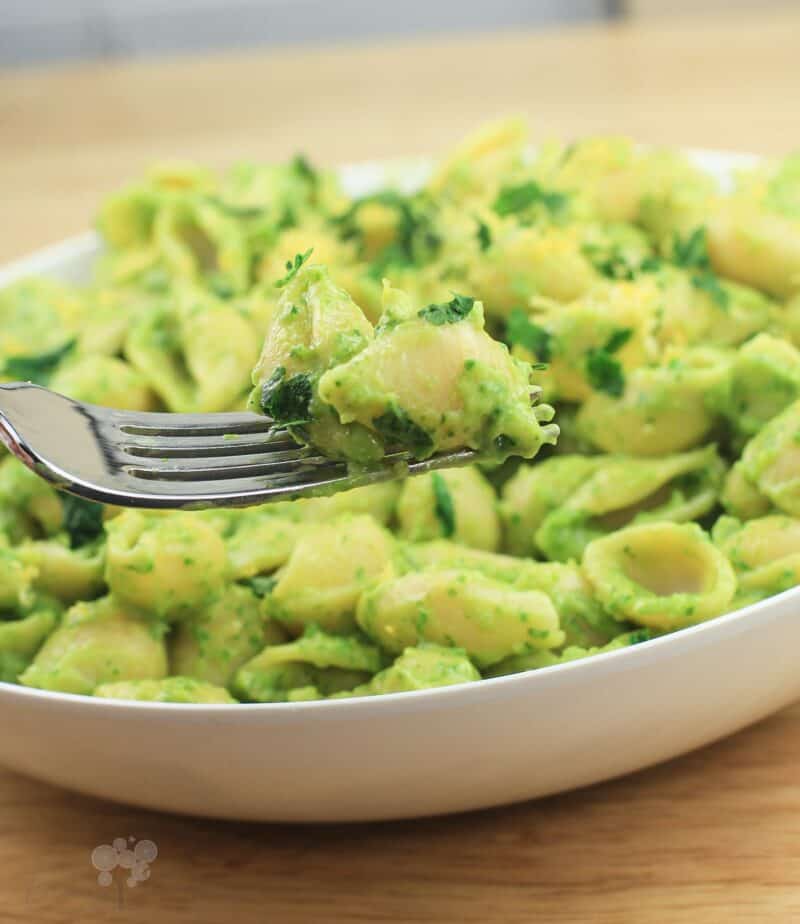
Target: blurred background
<point>93,91</point>
<point>43,31</point>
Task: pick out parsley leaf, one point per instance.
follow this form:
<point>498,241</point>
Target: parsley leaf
<point>450,312</point>
<point>604,372</point>
<point>612,263</point>
<point>650,264</point>
<point>638,636</point>
<point>520,330</point>
<point>691,252</point>
<point>484,235</point>
<point>293,267</point>
<point>261,584</point>
<point>304,170</point>
<point>443,505</point>
<point>618,339</point>
<point>414,234</point>
<point>709,282</point>
<point>513,199</point>
<point>38,367</point>
<point>398,429</point>
<point>287,401</point>
<point>83,519</point>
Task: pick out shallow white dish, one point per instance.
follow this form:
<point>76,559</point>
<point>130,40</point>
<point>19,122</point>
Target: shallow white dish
<point>409,754</point>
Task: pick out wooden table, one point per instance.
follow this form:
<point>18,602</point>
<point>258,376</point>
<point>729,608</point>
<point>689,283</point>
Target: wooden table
<point>713,837</point>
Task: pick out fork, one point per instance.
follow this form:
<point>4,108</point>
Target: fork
<point>180,461</point>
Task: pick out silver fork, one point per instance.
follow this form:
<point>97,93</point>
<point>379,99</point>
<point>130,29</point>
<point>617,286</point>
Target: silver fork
<point>179,461</point>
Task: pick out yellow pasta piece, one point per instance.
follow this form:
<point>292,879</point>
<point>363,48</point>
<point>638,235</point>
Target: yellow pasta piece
<point>771,461</point>
<point>661,410</point>
<point>313,666</point>
<point>764,552</point>
<point>479,396</point>
<point>462,609</point>
<point>580,617</point>
<point>623,490</point>
<point>97,643</point>
<point>419,668</point>
<point>169,690</point>
<point>104,380</point>
<point>166,566</point>
<point>662,575</point>
<point>329,567</point>
<point>223,635</point>
<point>457,504</point>
<point>65,573</point>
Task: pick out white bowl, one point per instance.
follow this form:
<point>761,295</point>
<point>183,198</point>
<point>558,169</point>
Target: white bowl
<point>409,754</point>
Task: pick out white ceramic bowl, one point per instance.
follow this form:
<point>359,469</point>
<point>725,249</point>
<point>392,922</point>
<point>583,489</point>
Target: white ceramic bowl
<point>409,754</point>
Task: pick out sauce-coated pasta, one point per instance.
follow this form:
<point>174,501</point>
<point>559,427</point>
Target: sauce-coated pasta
<point>658,314</point>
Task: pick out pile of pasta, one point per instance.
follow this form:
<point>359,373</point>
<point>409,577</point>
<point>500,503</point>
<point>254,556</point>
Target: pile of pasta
<point>661,311</point>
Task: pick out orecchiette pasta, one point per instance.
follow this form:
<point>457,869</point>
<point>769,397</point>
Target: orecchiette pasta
<point>164,565</point>
<point>662,575</point>
<point>97,643</point>
<point>489,620</point>
<point>221,636</point>
<point>457,504</point>
<point>315,663</point>
<point>771,461</point>
<point>329,568</point>
<point>765,553</point>
<point>655,312</point>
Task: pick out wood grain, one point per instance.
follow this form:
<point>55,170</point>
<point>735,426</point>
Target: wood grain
<point>712,837</point>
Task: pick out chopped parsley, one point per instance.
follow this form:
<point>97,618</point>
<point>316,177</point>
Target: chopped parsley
<point>287,401</point>
<point>521,331</point>
<point>414,235</point>
<point>398,429</point>
<point>710,284</point>
<point>38,367</point>
<point>612,263</point>
<point>293,267</point>
<point>484,235</point>
<point>450,312</point>
<point>605,373</point>
<point>618,339</point>
<point>651,264</point>
<point>691,253</point>
<point>638,636</point>
<point>261,585</point>
<point>443,505</point>
<point>83,520</point>
<point>603,370</point>
<point>514,199</point>
<point>302,168</point>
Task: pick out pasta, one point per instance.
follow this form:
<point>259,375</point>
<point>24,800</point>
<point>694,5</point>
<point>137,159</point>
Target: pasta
<point>655,314</point>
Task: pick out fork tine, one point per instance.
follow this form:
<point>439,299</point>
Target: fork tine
<point>225,469</point>
<point>158,423</point>
<point>206,447</point>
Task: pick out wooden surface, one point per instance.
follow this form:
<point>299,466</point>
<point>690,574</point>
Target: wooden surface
<point>713,837</point>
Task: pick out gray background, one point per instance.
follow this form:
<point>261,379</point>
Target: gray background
<point>42,31</point>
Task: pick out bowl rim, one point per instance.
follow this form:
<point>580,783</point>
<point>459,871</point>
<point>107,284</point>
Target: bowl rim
<point>87,243</point>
